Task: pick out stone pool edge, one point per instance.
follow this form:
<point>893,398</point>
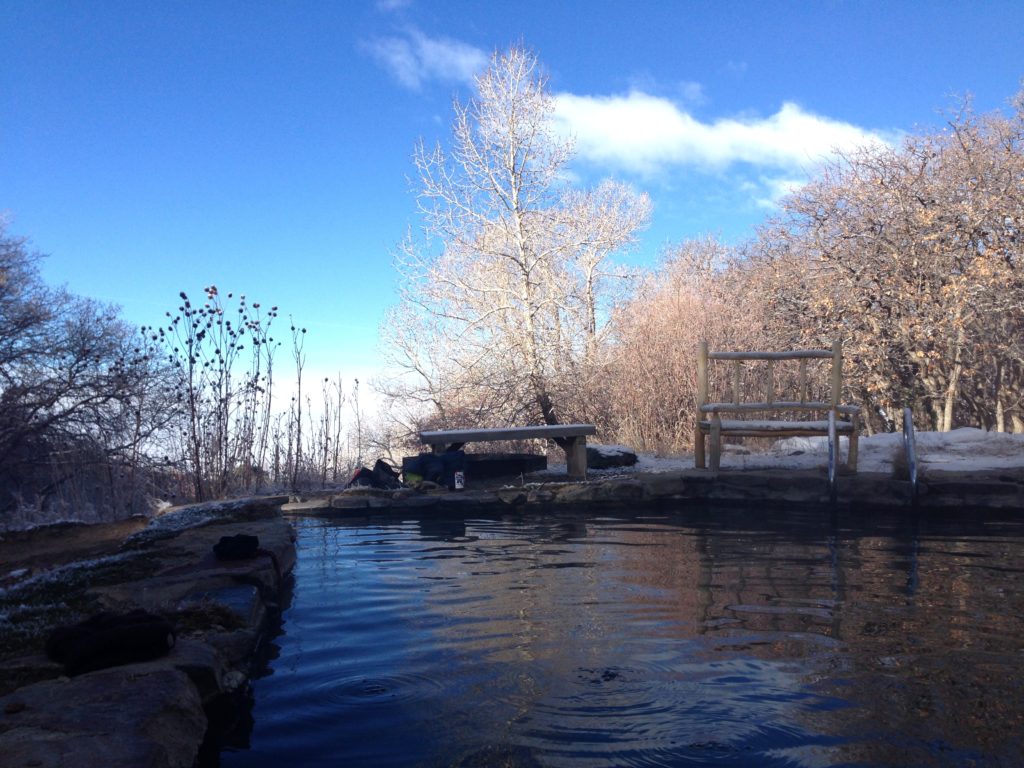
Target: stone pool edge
<point>157,714</point>
<point>996,489</point>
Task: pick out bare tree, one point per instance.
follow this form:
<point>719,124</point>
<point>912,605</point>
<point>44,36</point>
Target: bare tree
<point>80,396</point>
<point>295,414</point>
<point>502,299</point>
<point>701,290</point>
<point>915,253</point>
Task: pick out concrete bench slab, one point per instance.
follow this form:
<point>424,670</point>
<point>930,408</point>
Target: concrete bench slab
<point>572,438</point>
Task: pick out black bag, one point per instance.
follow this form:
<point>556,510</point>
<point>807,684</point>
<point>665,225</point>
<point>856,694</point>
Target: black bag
<point>437,468</point>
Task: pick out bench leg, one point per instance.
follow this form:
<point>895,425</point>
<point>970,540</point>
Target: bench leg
<point>698,448</point>
<point>851,457</point>
<point>716,442</point>
<point>576,457</point>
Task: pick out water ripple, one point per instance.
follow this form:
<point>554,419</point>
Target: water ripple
<point>697,637</point>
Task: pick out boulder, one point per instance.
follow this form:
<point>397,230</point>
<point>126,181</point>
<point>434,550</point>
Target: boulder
<point>136,716</point>
<point>608,456</point>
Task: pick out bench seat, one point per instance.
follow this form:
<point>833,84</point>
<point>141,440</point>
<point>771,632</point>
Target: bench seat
<point>758,428</point>
<point>778,405</point>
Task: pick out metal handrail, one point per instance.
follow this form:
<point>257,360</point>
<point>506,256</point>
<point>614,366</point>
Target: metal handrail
<point>832,453</point>
<point>910,448</point>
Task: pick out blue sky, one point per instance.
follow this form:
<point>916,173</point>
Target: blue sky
<point>153,147</point>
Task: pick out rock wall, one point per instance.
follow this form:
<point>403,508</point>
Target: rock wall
<point>154,714</point>
<point>996,489</point>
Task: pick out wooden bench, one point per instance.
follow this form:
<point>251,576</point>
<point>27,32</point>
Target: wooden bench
<point>709,415</point>
<point>571,437</point>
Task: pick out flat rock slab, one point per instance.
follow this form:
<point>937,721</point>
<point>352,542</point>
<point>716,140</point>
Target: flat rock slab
<point>241,601</point>
<point>186,564</point>
<point>151,715</point>
<point>126,717</point>
<point>193,547</point>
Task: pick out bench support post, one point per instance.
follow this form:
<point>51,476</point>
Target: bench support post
<point>716,442</point>
<point>698,446</point>
<point>576,457</point>
<point>702,399</point>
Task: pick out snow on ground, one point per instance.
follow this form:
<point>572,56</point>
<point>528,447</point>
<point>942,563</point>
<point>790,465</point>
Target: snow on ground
<point>964,450</point>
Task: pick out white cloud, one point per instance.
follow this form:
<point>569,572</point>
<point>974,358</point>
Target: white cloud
<point>416,58</point>
<point>385,6</point>
<point>648,134</point>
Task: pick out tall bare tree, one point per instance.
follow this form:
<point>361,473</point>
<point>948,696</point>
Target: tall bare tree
<point>502,299</point>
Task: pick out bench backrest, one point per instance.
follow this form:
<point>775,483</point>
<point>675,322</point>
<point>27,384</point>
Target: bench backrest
<point>770,358</point>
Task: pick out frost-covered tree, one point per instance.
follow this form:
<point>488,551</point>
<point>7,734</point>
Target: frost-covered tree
<point>80,394</point>
<point>502,308</point>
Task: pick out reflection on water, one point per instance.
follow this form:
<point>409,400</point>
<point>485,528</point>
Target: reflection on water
<point>729,637</point>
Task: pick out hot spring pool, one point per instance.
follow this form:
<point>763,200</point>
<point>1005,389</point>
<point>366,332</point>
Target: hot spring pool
<point>727,637</point>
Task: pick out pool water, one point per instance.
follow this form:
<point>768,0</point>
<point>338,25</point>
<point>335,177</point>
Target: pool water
<point>726,637</point>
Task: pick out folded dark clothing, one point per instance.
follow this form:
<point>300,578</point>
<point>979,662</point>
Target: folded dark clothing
<point>383,476</point>
<point>110,639</point>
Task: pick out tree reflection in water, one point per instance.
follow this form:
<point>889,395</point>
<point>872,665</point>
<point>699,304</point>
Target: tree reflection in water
<point>696,636</point>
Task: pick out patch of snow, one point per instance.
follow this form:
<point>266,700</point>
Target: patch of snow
<point>964,450</point>
<point>160,506</point>
<point>647,462</point>
<point>970,449</point>
<point>66,572</point>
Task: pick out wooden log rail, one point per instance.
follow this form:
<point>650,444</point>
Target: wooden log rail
<point>709,422</point>
<point>572,438</point>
